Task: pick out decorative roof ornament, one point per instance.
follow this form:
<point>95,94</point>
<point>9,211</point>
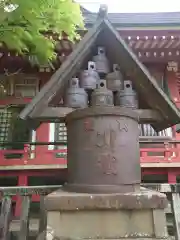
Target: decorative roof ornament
<point>103,10</point>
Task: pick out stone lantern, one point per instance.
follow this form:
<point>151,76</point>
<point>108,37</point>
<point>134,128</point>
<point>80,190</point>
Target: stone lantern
<point>103,198</point>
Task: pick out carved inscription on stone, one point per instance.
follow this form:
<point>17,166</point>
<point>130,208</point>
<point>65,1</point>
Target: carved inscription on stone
<point>122,126</point>
<point>88,125</point>
<point>107,163</point>
<point>106,138</point>
<point>104,142</point>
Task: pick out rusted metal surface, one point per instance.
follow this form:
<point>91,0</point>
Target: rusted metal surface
<point>99,160</point>
<point>115,79</point>
<point>75,97</point>
<point>89,78</point>
<point>102,96</point>
<point>102,63</point>
<point>127,97</point>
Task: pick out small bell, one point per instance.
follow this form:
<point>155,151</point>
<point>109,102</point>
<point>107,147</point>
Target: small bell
<point>89,78</point>
<point>101,95</point>
<point>102,63</point>
<point>115,79</point>
<point>75,96</point>
<point>127,97</point>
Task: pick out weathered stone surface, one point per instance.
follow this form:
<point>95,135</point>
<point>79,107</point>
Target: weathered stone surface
<point>102,224</point>
<point>137,215</point>
<point>159,220</point>
<point>144,199</point>
<point>99,161</point>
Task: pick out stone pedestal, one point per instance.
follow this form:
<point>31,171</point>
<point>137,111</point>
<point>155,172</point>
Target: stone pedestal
<point>136,215</point>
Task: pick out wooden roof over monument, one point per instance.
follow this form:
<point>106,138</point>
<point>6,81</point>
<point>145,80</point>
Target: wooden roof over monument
<point>104,34</point>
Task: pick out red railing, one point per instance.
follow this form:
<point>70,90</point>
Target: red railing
<point>28,156</point>
<point>154,151</point>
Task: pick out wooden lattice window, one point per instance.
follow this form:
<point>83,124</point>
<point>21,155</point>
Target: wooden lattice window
<point>25,86</point>
<point>5,119</point>
<point>13,130</point>
<point>61,132</point>
<point>61,136</point>
<point>5,86</point>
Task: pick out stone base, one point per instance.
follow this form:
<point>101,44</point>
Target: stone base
<point>137,215</point>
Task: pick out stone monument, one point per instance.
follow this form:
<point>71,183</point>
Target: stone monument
<point>102,198</point>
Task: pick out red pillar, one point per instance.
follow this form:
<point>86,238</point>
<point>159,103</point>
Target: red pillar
<point>42,135</point>
<point>171,177</point>
<point>22,181</point>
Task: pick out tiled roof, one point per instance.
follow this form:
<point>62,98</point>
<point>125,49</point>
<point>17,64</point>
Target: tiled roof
<point>165,18</point>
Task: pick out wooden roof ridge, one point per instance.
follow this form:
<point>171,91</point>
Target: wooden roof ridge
<point>144,83</point>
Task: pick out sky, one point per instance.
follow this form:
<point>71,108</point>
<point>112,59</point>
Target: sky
<point>133,5</point>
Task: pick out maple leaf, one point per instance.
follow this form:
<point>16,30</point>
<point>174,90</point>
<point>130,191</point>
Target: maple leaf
<point>23,24</point>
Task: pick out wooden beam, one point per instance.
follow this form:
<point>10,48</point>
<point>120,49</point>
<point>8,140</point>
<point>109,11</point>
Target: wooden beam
<point>149,116</point>
<point>58,114</point>
<point>53,114</point>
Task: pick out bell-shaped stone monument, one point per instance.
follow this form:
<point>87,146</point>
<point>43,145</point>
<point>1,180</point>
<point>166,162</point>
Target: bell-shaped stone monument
<point>103,198</point>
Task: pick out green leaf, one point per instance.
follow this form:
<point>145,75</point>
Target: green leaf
<point>22,29</point>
